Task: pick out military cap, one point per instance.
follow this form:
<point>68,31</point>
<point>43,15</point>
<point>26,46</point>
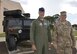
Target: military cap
<point>63,13</point>
<point>41,9</point>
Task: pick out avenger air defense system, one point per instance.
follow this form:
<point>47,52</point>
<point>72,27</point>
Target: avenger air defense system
<point>16,27</point>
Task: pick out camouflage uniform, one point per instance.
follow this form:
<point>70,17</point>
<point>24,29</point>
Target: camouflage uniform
<point>40,35</point>
<point>63,38</point>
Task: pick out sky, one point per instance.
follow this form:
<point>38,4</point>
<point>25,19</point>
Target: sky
<point>51,7</point>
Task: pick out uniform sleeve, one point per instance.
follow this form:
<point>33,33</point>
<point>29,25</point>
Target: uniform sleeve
<point>54,35</point>
<point>49,34</point>
<point>32,32</point>
<point>73,37</point>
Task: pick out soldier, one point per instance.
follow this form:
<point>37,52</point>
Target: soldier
<point>40,34</point>
<point>63,39</point>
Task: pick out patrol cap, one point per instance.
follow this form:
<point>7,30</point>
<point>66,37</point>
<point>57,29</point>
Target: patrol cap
<point>63,13</point>
<point>41,9</point>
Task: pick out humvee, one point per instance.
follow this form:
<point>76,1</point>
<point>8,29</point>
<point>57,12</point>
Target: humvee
<point>16,27</point>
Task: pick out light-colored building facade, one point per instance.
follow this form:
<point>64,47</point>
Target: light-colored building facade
<point>7,5</point>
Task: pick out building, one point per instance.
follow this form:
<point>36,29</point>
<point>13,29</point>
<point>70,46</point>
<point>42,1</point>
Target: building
<point>7,5</point>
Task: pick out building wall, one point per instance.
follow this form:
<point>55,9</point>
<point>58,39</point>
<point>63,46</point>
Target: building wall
<point>7,5</point>
<point>1,18</point>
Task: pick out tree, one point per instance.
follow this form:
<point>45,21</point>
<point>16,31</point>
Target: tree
<point>74,26</point>
<point>52,19</point>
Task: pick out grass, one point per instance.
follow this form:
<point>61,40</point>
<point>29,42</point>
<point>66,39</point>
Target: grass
<point>75,33</point>
<point>2,34</point>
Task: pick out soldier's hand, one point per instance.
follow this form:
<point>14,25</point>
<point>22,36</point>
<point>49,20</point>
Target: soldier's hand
<point>34,47</point>
<point>54,45</point>
<point>49,45</point>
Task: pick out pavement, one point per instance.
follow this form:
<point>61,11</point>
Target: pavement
<point>20,50</point>
<point>3,48</point>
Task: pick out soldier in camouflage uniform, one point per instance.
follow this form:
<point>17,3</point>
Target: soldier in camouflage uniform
<point>63,39</point>
<point>40,34</point>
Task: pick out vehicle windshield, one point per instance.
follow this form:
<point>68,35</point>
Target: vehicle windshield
<point>14,22</point>
<point>27,22</point>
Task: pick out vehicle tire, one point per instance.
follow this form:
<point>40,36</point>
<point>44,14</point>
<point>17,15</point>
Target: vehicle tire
<point>11,43</point>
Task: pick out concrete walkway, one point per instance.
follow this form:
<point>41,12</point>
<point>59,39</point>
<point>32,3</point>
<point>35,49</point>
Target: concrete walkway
<point>19,51</point>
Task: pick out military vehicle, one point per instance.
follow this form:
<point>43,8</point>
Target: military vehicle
<point>16,27</point>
